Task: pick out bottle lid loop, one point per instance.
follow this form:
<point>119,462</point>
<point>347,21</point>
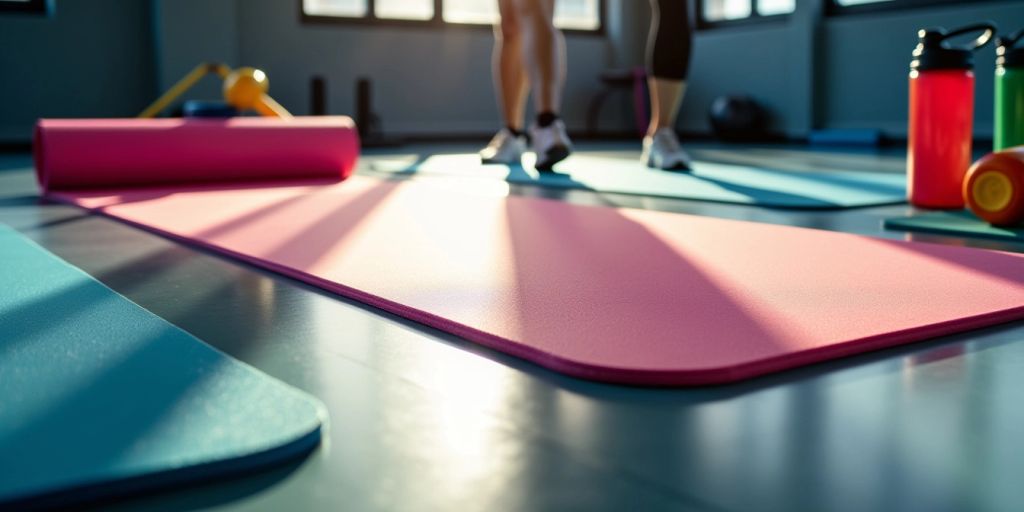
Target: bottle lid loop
<point>934,51</point>
<point>988,27</point>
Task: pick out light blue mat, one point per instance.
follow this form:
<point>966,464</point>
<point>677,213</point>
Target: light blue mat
<point>709,181</point>
<point>100,398</point>
<point>956,223</point>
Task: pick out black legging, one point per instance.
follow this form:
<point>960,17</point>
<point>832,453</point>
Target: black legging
<point>668,44</point>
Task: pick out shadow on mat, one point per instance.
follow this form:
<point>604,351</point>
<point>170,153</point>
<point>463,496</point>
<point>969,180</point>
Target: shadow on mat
<point>1004,267</point>
<point>549,185</point>
<point>606,276</point>
<point>517,173</point>
<point>746,187</point>
<point>769,198</point>
<point>831,178</point>
<point>804,160</point>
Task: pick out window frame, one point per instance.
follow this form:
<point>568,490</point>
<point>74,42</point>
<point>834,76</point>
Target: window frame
<point>833,8</point>
<point>755,18</point>
<point>436,22</point>
<point>27,7</point>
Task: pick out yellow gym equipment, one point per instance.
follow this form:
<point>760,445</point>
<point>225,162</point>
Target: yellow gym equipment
<point>245,88</point>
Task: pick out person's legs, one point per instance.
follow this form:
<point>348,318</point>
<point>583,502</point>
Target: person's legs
<point>666,97</point>
<point>544,54</point>
<point>668,62</point>
<point>511,86</point>
<point>508,67</point>
<point>544,49</point>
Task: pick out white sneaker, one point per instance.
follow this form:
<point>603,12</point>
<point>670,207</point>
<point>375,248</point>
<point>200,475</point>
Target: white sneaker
<point>505,148</point>
<point>551,144</point>
<point>663,151</point>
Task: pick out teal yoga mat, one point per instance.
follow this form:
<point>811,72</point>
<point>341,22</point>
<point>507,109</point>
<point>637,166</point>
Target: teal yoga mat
<point>709,181</point>
<point>957,223</point>
<point>100,398</point>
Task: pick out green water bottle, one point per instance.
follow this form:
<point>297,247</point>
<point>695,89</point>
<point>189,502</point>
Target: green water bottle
<point>1009,130</point>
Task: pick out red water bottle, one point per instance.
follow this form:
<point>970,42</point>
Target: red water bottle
<point>941,116</point>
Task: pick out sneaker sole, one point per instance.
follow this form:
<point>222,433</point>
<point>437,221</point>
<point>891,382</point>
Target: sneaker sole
<point>552,156</point>
<point>679,166</point>
<point>492,161</point>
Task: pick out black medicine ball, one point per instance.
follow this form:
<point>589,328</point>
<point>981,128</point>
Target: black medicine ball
<point>737,118</point>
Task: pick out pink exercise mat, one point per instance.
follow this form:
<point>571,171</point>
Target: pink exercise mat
<point>618,295</point>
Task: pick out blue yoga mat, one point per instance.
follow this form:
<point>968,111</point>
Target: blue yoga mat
<point>957,223</point>
<point>100,398</point>
<point>709,181</point>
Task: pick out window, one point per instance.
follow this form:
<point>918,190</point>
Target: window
<point>569,14</point>
<point>470,11</point>
<point>578,14</point>
<point>581,15</point>
<point>404,9</point>
<point>340,8</point>
<point>717,11</point>
<point>773,7</point>
<point>29,6</point>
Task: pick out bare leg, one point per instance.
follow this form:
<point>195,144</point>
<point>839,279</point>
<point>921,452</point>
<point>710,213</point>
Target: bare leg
<point>668,60</point>
<point>508,67</point>
<point>666,97</point>
<point>544,52</point>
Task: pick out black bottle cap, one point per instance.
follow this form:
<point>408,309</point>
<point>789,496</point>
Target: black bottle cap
<point>933,50</point>
<point>1006,54</point>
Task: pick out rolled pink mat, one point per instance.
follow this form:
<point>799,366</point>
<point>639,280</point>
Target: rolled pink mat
<point>104,153</point>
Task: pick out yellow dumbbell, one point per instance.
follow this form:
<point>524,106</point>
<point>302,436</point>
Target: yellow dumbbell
<point>246,88</point>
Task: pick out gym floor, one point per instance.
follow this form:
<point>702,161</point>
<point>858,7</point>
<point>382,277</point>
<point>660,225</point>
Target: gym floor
<point>421,420</point>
